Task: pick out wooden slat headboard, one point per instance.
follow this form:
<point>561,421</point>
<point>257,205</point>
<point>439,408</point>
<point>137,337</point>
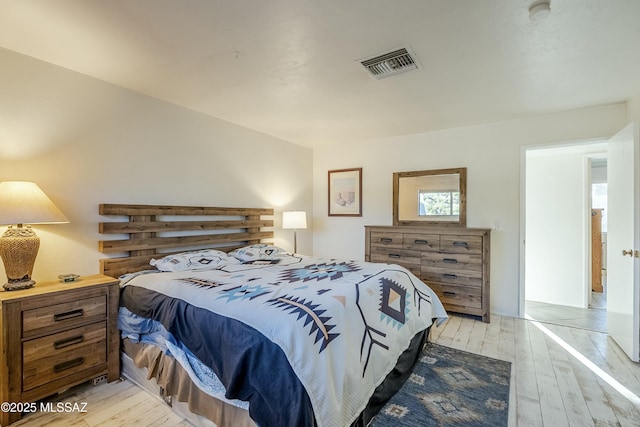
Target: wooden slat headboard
<point>198,227</point>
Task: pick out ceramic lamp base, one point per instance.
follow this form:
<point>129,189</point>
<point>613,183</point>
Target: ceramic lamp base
<point>18,285</point>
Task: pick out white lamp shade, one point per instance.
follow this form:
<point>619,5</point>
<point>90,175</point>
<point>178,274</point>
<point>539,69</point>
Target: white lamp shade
<point>25,203</point>
<point>294,219</point>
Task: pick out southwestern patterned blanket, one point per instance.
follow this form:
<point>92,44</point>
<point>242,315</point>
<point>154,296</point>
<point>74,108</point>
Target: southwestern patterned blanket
<point>299,338</point>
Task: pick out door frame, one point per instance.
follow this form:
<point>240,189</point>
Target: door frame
<point>523,163</point>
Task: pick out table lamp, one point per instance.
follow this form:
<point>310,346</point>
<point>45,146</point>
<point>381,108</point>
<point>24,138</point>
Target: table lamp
<point>296,220</point>
<point>23,203</point>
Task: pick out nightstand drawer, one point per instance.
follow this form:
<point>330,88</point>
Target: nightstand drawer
<point>65,314</point>
<point>55,356</point>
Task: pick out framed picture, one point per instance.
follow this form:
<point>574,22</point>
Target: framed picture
<point>345,192</point>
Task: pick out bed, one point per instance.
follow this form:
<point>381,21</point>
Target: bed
<point>214,315</point>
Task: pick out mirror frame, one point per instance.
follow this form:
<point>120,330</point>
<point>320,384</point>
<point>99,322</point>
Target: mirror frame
<point>462,218</point>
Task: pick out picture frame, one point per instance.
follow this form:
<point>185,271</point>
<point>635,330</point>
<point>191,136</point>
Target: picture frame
<point>345,192</point>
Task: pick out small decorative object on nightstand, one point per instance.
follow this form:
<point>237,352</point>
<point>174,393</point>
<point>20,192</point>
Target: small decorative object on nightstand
<point>56,336</point>
<point>23,203</point>
<point>70,277</point>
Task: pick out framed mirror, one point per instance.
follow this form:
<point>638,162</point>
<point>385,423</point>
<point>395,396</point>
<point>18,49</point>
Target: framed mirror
<point>430,197</point>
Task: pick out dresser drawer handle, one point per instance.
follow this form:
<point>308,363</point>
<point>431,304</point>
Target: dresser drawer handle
<point>68,365</point>
<point>68,315</point>
<point>386,240</point>
<point>461,244</point>
<point>395,256</point>
<point>449,294</point>
<point>67,342</point>
<point>450,261</point>
<point>450,276</point>
<point>421,242</point>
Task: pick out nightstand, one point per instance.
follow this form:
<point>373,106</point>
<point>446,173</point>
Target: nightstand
<point>55,336</point>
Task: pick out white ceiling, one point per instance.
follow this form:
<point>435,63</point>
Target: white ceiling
<point>289,68</point>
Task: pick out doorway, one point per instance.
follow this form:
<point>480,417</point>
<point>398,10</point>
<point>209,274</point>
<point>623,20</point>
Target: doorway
<point>559,198</point>
<point>599,223</point>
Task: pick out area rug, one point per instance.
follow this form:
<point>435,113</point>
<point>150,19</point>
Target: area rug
<point>450,387</point>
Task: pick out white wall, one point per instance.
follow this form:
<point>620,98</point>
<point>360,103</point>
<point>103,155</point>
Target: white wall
<point>633,108</point>
<point>86,142</point>
<point>491,152</point>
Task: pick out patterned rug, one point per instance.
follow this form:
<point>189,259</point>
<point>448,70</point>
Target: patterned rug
<point>450,388</point>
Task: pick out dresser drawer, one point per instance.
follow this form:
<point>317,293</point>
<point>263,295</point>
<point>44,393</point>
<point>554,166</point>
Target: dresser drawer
<point>458,296</point>
<point>404,257</point>
<point>452,261</point>
<point>470,278</point>
<point>461,244</point>
<point>392,240</point>
<point>421,242</point>
<point>58,355</point>
<point>63,314</point>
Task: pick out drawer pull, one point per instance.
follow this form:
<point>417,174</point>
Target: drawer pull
<point>421,242</point>
<point>67,342</point>
<point>450,261</point>
<point>449,294</point>
<point>395,256</point>
<point>450,276</point>
<point>68,315</point>
<point>386,240</point>
<point>68,365</point>
<point>461,244</point>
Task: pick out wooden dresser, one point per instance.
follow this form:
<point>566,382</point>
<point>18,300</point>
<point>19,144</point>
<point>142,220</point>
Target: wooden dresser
<point>54,336</point>
<point>453,261</point>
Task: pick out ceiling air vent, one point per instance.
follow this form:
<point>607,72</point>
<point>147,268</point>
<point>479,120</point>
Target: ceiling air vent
<point>390,63</point>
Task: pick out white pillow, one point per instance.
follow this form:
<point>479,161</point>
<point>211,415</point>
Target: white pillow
<point>257,252</point>
<point>193,260</point>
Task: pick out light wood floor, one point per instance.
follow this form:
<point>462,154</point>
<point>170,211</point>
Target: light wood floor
<point>549,386</point>
<point>593,318</point>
